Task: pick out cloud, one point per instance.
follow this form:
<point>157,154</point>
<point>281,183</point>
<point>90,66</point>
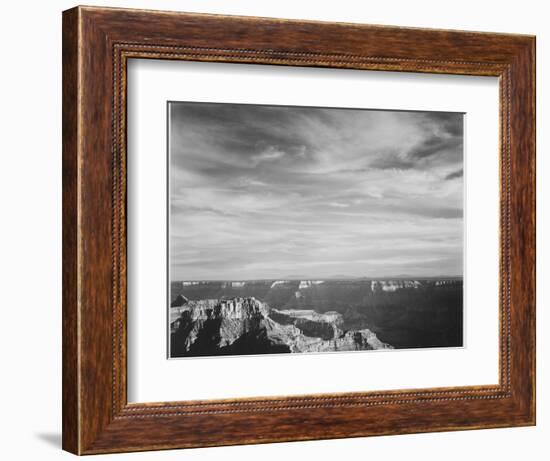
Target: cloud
<point>455,174</point>
<point>270,154</point>
<point>339,204</point>
<point>391,160</point>
<point>263,191</point>
<point>435,145</point>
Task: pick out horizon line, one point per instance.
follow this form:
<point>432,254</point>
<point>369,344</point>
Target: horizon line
<point>293,279</point>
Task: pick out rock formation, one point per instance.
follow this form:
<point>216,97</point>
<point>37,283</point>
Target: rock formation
<point>240,326</point>
<point>394,285</point>
<point>179,301</point>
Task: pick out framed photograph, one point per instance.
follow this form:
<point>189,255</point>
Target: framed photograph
<point>282,230</point>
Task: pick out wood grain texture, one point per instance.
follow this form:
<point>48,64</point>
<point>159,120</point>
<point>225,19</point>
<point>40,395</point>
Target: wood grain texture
<point>97,43</point>
<point>70,384</point>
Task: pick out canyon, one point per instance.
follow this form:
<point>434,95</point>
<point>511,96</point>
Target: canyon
<point>244,326</point>
<point>293,316</point>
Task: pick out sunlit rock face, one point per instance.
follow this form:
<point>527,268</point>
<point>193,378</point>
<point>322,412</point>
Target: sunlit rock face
<point>241,326</point>
<point>277,282</point>
<point>312,324</point>
<point>308,283</point>
<point>394,285</point>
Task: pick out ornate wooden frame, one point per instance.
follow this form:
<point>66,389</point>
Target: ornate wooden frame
<point>97,43</point>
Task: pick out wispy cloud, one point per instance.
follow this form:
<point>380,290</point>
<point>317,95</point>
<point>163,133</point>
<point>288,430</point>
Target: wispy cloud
<point>455,174</point>
<point>263,191</point>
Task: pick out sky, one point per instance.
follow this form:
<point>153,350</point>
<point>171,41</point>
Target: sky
<point>275,192</point>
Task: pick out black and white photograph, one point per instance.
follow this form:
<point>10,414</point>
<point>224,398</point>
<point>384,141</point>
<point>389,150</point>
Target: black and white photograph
<point>296,229</point>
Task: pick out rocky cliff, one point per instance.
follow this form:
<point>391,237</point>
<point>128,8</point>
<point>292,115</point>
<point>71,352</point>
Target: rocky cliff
<point>404,312</point>
<point>241,326</point>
